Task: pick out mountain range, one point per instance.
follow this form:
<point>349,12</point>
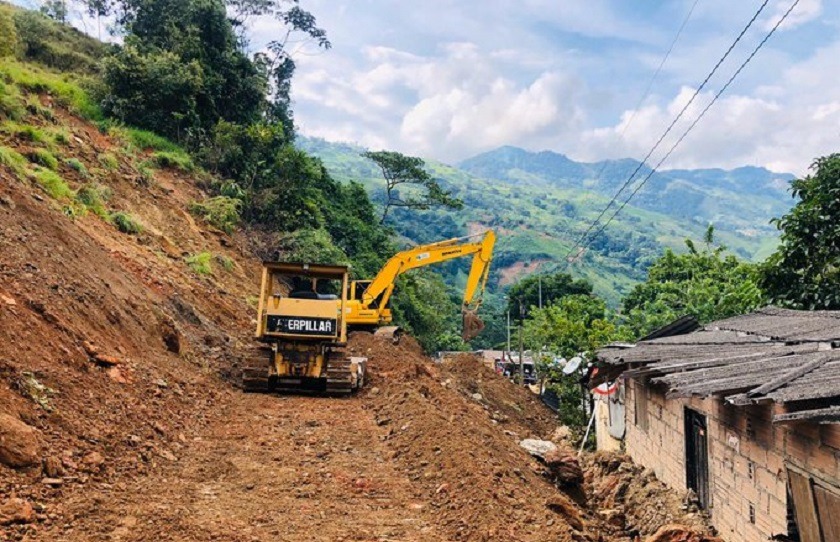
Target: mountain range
<point>540,203</point>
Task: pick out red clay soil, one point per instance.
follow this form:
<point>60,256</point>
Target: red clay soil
<point>118,412</point>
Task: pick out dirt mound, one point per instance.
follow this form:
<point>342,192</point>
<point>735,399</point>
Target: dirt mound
<point>633,501</point>
<point>110,344</point>
<point>462,452</point>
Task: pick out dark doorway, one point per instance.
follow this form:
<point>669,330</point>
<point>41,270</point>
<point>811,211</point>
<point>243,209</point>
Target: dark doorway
<point>697,456</point>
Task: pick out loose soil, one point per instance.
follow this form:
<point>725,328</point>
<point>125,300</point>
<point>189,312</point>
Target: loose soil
<point>121,362</point>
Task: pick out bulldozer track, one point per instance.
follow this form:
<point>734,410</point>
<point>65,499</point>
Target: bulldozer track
<point>340,377</point>
<point>255,373</point>
<point>339,373</point>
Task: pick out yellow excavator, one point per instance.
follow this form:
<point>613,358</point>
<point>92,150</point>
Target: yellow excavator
<point>367,308</point>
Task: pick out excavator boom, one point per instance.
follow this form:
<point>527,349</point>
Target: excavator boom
<point>370,306</point>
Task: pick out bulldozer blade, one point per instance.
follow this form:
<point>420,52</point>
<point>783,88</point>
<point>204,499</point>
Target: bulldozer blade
<point>473,325</point>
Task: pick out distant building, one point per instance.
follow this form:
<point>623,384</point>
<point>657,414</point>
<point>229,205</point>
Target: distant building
<point>745,412</point>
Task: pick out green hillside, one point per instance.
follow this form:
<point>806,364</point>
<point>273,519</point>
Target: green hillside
<point>541,207</point>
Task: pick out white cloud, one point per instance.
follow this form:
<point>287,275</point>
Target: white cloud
<point>804,12</point>
<point>783,128</point>
<point>489,74</point>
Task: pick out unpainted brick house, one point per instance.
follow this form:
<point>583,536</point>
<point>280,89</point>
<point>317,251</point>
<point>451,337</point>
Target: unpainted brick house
<point>746,413</point>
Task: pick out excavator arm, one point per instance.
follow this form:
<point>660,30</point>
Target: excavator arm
<point>379,291</point>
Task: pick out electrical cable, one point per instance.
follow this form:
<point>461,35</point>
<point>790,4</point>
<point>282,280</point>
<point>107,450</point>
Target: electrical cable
<point>670,127</point>
<point>693,124</point>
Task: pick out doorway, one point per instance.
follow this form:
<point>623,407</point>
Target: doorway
<point>697,456</point>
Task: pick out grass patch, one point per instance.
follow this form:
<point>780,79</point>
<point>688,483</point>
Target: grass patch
<point>53,184</point>
<point>147,174</point>
<point>77,165</point>
<point>14,161</point>
<point>11,104</point>
<point>126,223</point>
<point>66,89</point>
<point>221,212</point>
<point>34,107</point>
<point>173,160</point>
<point>200,263</point>
<point>26,132</point>
<point>227,263</point>
<point>60,136</point>
<point>109,161</point>
<point>43,157</point>
<point>143,140</point>
<point>93,197</point>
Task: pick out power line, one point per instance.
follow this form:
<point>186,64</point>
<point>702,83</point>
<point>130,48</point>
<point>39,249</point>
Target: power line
<point>646,93</point>
<point>667,131</point>
<point>693,124</point>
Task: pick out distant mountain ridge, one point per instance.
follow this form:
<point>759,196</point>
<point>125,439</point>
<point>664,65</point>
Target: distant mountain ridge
<point>540,203</point>
<point>713,195</point>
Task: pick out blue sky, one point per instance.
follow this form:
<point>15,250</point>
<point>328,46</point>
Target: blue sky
<point>447,79</point>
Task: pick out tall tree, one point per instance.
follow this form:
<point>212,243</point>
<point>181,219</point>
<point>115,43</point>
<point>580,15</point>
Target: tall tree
<point>706,283</point>
<point>805,270</point>
<point>55,9</point>
<point>527,292</point>
<point>408,185</point>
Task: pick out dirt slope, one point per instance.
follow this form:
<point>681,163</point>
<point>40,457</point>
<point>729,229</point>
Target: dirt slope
<point>119,420</point>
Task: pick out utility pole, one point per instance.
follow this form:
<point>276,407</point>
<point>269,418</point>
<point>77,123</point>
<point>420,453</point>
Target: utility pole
<point>521,343</point>
<point>508,329</point>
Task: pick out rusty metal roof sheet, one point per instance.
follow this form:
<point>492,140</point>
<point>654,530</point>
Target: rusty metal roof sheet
<point>773,354</point>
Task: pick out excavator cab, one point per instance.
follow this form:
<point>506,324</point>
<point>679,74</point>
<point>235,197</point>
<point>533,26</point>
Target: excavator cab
<point>302,326</point>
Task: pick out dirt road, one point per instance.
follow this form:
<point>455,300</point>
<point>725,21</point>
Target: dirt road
<point>268,468</point>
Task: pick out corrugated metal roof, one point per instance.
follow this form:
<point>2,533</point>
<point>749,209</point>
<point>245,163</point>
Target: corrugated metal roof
<point>772,354</point>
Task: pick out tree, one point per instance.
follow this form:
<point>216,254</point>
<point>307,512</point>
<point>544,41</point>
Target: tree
<point>574,325</point>
<point>406,172</point>
<point>55,9</point>
<point>707,284</point>
<point>805,270</point>
<point>526,292</point>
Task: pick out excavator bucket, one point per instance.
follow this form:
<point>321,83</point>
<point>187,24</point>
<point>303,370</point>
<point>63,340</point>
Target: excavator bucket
<point>472,325</point>
<point>389,333</point>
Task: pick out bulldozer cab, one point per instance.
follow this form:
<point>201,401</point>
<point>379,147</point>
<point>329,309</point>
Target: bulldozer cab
<point>303,302</point>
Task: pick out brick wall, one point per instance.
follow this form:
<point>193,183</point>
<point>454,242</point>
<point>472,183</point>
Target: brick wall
<point>747,458</point>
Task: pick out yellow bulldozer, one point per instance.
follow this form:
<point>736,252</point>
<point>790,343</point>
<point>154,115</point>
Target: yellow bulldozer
<point>302,323</point>
<point>305,311</point>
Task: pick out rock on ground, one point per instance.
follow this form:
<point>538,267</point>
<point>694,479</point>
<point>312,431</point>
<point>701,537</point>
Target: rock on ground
<point>18,443</point>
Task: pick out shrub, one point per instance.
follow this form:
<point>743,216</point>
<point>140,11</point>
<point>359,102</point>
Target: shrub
<point>173,160</point>
<point>60,136</point>
<point>53,184</point>
<point>126,223</point>
<point>222,212</point>
<point>78,166</point>
<point>157,91</point>
<point>109,161</point>
<point>14,161</point>
<point>93,197</point>
<point>226,263</point>
<point>43,157</point>
<point>200,263</point>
